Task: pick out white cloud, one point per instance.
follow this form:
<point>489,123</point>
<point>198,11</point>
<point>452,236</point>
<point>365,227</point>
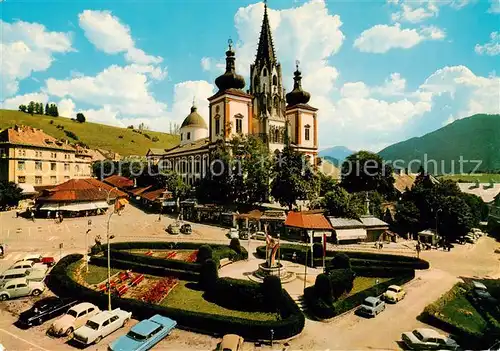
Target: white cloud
<point>355,90</point>
<point>27,48</point>
<point>382,38</point>
<point>492,48</point>
<point>14,102</point>
<point>393,86</point>
<point>494,6</point>
<point>416,11</point>
<point>109,35</point>
<point>124,89</point>
<point>66,108</point>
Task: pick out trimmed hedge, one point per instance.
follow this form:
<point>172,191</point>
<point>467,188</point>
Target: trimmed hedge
<point>356,258</point>
<point>323,310</point>
<point>236,294</point>
<point>118,250</point>
<point>291,322</point>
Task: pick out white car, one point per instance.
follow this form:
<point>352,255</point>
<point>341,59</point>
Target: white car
<point>233,233</point>
<point>258,236</point>
<point>428,339</point>
<point>394,294</point>
<point>31,265</point>
<point>20,287</point>
<point>73,319</point>
<point>101,325</point>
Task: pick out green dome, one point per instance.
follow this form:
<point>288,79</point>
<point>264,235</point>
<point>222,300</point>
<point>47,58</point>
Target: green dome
<point>194,120</point>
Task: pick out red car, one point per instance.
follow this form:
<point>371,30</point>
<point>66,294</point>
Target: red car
<point>49,261</point>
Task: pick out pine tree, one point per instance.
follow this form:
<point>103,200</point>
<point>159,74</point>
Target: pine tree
<point>56,111</point>
<point>40,109</point>
<point>47,109</point>
<point>37,108</point>
<point>23,108</point>
<point>31,107</point>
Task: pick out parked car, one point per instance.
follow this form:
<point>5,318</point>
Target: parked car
<point>44,310</point>
<point>371,306</point>
<point>428,339</point>
<point>258,236</point>
<point>76,316</point>
<point>394,294</point>
<point>231,342</point>
<point>20,287</point>
<point>243,234</point>
<point>144,335</point>
<point>13,274</point>
<point>31,265</point>
<point>470,239</point>
<point>49,261</point>
<point>173,228</point>
<point>233,233</point>
<point>186,229</point>
<point>480,292</point>
<point>101,325</point>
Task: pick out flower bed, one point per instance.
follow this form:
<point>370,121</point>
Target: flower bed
<point>160,290</point>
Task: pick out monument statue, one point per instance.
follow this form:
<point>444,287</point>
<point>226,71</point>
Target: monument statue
<point>271,250</point>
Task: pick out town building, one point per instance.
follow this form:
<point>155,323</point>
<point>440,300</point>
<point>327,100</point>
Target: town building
<point>486,191</point>
<point>28,155</point>
<point>264,110</point>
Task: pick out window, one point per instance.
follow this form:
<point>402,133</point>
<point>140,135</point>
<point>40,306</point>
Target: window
<point>53,166</point>
<point>38,180</point>
<point>38,165</point>
<point>239,125</point>
<point>53,179</point>
<point>307,133</point>
<point>21,179</point>
<point>113,319</point>
<point>21,166</point>
<point>264,72</point>
<point>22,152</point>
<point>181,136</point>
<point>77,168</point>
<point>197,166</point>
<point>2,151</point>
<point>66,167</point>
<point>275,80</point>
<point>106,322</point>
<point>256,83</point>
<point>217,125</point>
<point>188,136</point>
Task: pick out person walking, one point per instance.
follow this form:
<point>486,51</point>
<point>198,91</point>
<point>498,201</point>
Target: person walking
<point>32,215</point>
<point>48,214</point>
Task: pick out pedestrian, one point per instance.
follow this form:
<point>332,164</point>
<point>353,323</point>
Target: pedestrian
<point>32,215</point>
<point>48,214</point>
<point>17,213</point>
<point>418,248</point>
<point>294,257</point>
<point>159,217</point>
<point>61,217</point>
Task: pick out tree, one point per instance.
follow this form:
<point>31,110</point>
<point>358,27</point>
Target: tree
<point>342,281</point>
<point>341,261</point>
<point>23,108</point>
<point>366,171</point>
<point>235,245</point>
<point>323,287</point>
<point>47,109</point>
<point>326,183</point>
<point>10,194</point>
<point>338,203</point>
<point>273,292</point>
<point>204,253</point>
<point>408,217</point>
<point>80,117</point>
<point>455,219</point>
<point>56,111</point>
<point>40,109</point>
<point>289,170</point>
<point>31,107</point>
<point>208,274</point>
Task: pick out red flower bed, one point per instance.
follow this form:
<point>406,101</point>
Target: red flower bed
<point>160,290</point>
<point>192,257</point>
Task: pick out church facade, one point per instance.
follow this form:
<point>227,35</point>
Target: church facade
<point>264,110</point>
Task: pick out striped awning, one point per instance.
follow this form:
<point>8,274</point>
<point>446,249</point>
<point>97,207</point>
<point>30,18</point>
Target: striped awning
<point>350,234</point>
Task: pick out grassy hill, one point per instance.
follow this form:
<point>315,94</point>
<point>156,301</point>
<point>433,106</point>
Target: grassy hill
<point>473,138</point>
<point>472,178</point>
<point>124,141</point>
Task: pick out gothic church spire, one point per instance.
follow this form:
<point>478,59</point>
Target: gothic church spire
<point>265,50</point>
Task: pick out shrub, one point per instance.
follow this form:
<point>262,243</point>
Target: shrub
<point>273,292</point>
<point>208,274</point>
<point>291,322</point>
<point>204,253</point>
<point>51,122</point>
<point>120,136</point>
<point>71,135</point>
<point>235,294</point>
<point>147,136</point>
<point>323,287</point>
<point>155,139</point>
<point>340,261</point>
<point>235,245</point>
<point>80,117</point>
<point>342,281</point>
<point>317,250</point>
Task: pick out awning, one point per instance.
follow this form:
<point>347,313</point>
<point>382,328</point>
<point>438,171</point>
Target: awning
<point>350,234</point>
<point>169,203</point>
<point>74,206</point>
<point>49,207</point>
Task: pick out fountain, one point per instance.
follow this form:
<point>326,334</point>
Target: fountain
<point>271,267</point>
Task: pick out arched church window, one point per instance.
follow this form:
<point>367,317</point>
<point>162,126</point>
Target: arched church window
<point>307,132</point>
<point>256,83</point>
<point>276,135</point>
<point>264,72</point>
<point>276,103</point>
<point>275,80</point>
<point>217,124</point>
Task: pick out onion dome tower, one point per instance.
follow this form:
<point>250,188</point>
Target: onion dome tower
<point>193,127</point>
<point>297,96</point>
<point>230,79</point>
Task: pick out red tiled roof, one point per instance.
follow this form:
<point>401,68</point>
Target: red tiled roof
<point>156,195</point>
<point>23,135</point>
<point>119,181</point>
<point>139,191</point>
<point>88,189</point>
<point>307,221</point>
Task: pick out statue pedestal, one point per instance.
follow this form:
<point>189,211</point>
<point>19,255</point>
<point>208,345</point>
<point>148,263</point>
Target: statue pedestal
<point>279,270</point>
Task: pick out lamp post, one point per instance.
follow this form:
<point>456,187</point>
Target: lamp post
<point>87,250</point>
<point>279,256</point>
<point>437,216</point>
<point>107,244</point>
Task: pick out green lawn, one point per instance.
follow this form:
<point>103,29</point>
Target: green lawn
<point>363,283</point>
<point>185,296</point>
<point>124,141</point>
<point>471,178</point>
<point>95,275</point>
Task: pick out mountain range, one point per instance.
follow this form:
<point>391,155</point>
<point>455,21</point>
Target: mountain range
<point>338,153</point>
<point>470,144</point>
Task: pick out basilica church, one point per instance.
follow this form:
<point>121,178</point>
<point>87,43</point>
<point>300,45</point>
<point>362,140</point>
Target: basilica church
<point>264,110</point>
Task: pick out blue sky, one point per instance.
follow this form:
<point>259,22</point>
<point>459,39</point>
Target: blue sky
<point>379,71</point>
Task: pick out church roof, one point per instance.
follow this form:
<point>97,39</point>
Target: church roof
<point>189,147</point>
<point>297,96</point>
<point>265,50</point>
<point>194,120</point>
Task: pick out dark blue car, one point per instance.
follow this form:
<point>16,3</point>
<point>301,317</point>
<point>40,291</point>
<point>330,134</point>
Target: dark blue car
<point>144,335</point>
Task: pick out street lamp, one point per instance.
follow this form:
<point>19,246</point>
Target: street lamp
<point>109,258</point>
<point>437,214</point>
<point>87,250</point>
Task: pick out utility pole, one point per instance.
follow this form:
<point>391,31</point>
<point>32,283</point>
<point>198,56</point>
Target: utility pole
<point>109,254</point>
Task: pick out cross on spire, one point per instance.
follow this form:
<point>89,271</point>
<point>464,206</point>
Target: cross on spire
<point>297,63</point>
